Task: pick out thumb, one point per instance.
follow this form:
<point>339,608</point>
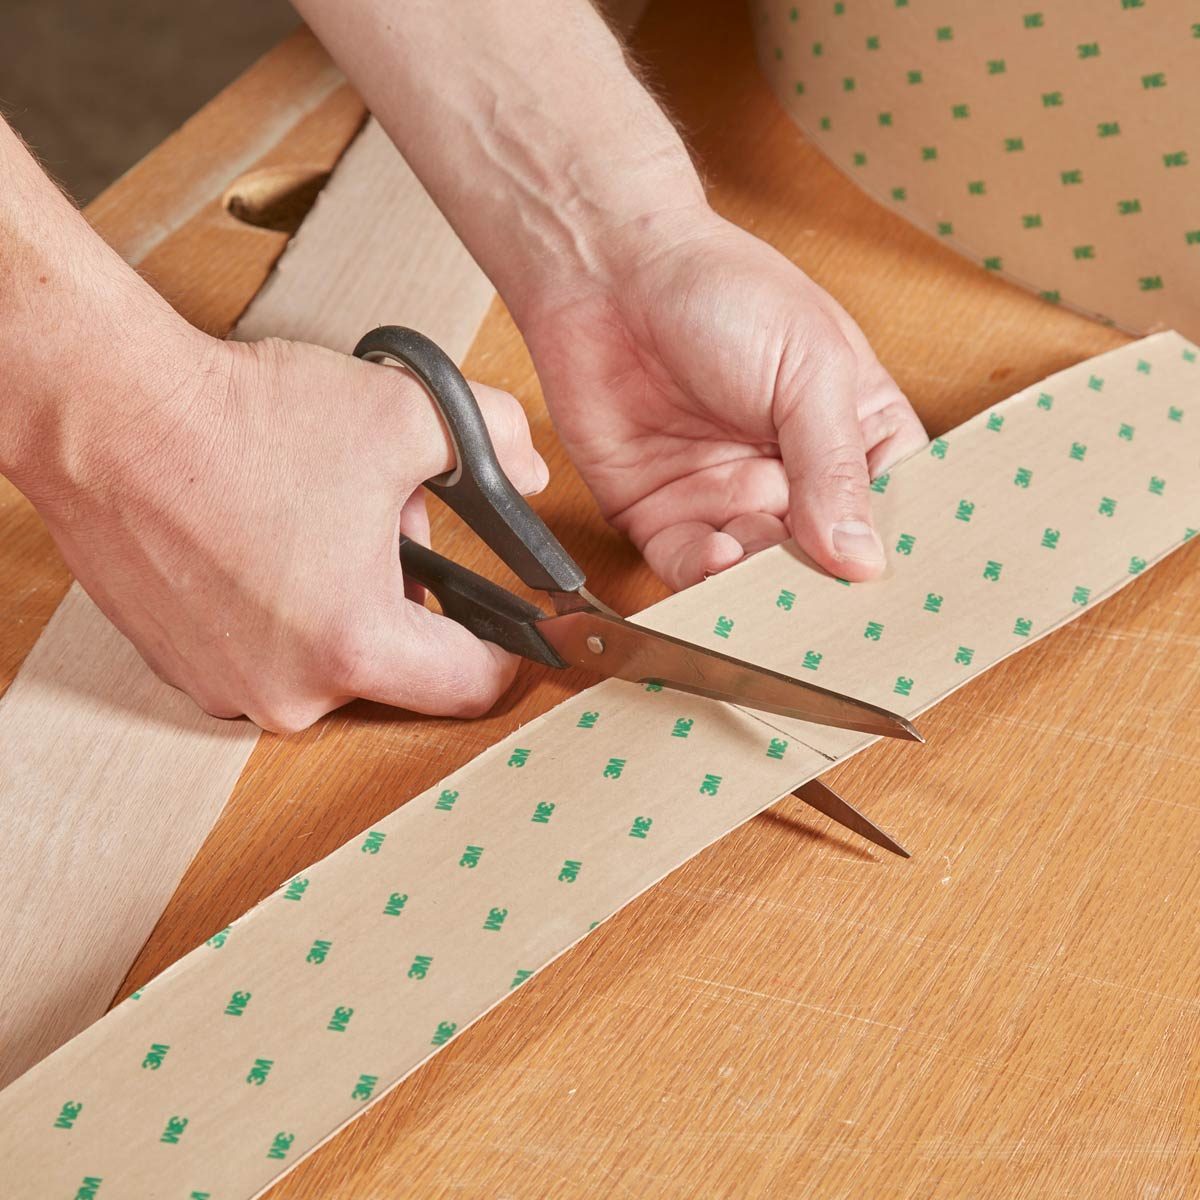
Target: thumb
<point>826,464</point>
<point>429,664</point>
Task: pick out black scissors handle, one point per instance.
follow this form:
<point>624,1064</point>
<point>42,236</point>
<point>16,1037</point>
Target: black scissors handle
<point>477,488</point>
<point>489,611</point>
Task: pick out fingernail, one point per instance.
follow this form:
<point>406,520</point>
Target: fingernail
<point>857,540</point>
<point>541,473</point>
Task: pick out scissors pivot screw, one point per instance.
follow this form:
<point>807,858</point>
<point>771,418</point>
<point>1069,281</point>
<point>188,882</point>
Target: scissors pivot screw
<point>595,644</point>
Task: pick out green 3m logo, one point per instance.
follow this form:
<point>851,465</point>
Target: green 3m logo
<point>873,631</point>
<point>903,686</point>
<point>281,1143</point>
<point>420,966</point>
<point>364,1087</point>
<point>933,602</point>
<point>905,543</point>
<point>444,1032</point>
<point>395,904</point>
<point>1023,478</point>
<point>724,627</point>
<point>296,889</point>
<point>710,785</point>
<point>812,660</point>
<point>68,1114</point>
<point>373,842</point>
<point>519,757</point>
<point>569,871</point>
<point>543,812</point>
<point>259,1071</point>
<point>318,952</point>
<point>640,827</point>
<point>613,768</point>
<point>88,1189</point>
<point>587,720</point>
<point>237,1004</point>
<point>339,1021</point>
<point>155,1056</point>
<point>471,856</point>
<point>963,656</point>
<point>174,1130</point>
<point>1108,506</point>
<point>445,801</point>
<point>219,938</point>
<point>777,747</point>
<point>683,726</point>
<point>785,600</point>
<point>1050,538</point>
<point>965,510</point>
<point>495,919</point>
<point>992,570</point>
<point>1023,627</point>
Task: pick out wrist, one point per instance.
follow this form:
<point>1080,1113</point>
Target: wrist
<point>608,255</point>
<point>90,393</point>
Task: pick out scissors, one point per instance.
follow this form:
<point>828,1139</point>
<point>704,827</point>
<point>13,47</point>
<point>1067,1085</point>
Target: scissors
<point>581,631</point>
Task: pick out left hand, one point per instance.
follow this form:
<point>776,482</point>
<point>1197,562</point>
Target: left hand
<point>716,400</point>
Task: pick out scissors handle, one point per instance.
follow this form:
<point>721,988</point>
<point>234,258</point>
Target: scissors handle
<point>477,488</point>
<point>489,611</point>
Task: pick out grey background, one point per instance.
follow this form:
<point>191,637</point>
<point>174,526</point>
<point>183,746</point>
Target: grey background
<point>92,85</point>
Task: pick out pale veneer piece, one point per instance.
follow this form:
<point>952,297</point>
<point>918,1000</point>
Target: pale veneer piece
<point>109,779</point>
<point>109,782</point>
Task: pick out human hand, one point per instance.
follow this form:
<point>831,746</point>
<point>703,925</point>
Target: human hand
<point>715,399</point>
<point>237,518</point>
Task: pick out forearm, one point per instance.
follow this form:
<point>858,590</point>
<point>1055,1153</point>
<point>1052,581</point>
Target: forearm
<point>78,330</point>
<point>525,123</point>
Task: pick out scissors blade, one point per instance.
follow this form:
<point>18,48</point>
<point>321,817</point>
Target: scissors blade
<point>612,646</point>
<point>825,800</point>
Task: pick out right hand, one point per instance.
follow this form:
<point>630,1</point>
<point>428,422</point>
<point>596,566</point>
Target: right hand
<point>237,518</point>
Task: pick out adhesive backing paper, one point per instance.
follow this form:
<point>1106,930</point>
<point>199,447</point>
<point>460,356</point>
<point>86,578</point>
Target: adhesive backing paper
<point>1054,143</point>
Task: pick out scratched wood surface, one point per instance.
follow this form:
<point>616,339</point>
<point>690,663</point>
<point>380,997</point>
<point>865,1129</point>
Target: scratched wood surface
<point>1012,1013</point>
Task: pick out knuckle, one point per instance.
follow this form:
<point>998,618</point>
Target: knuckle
<point>224,710</point>
<point>284,718</point>
<point>474,704</point>
<point>506,422</point>
<point>844,469</point>
<point>470,692</point>
<point>348,656</point>
<point>827,348</point>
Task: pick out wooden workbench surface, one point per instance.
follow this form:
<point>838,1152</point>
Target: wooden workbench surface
<point>1012,1013</point>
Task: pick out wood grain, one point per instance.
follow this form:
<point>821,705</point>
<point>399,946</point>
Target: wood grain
<point>86,736</point>
<point>1012,1013</point>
